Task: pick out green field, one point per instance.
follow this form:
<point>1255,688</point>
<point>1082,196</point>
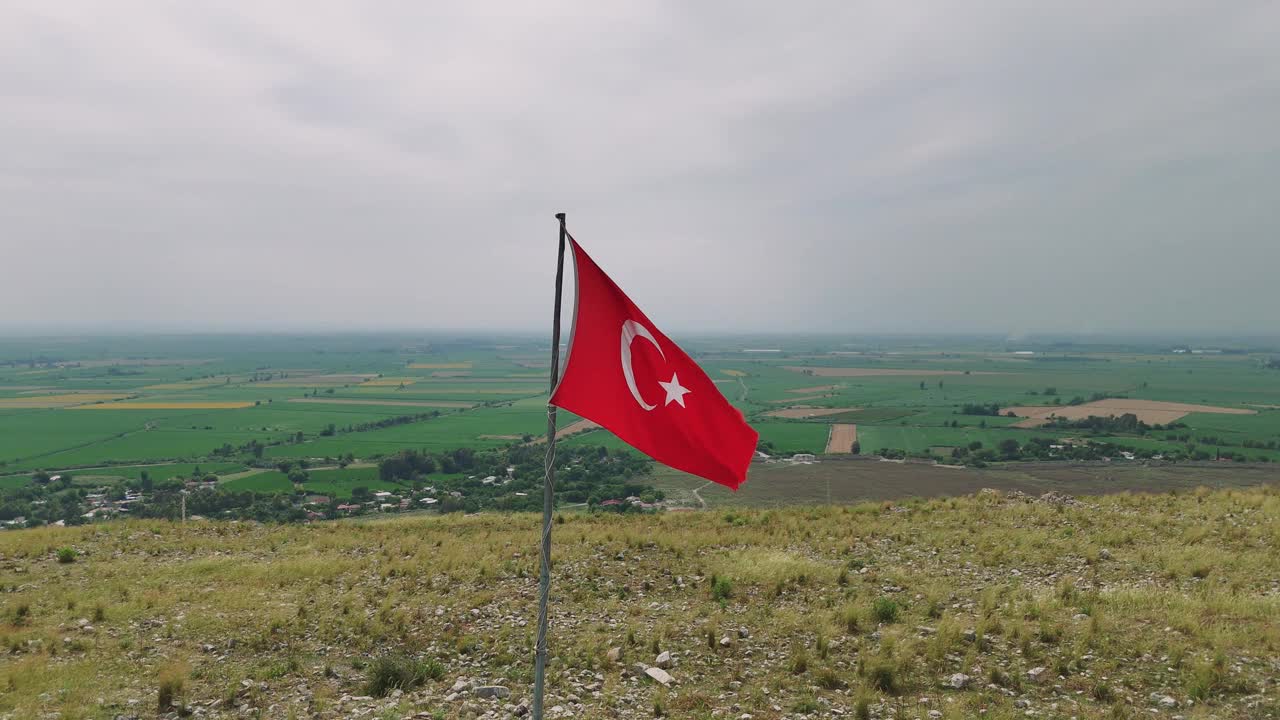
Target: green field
<point>323,397</point>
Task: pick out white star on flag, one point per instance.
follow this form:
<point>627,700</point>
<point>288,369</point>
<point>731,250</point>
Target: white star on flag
<point>675,391</point>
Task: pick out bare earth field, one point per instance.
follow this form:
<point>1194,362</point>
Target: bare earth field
<point>798,413</point>
<point>404,403</point>
<point>1148,411</point>
<point>841,438</point>
<point>877,372</point>
<point>567,430</point>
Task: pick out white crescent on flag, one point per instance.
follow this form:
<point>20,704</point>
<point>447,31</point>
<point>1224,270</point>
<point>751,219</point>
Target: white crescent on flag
<point>630,331</point>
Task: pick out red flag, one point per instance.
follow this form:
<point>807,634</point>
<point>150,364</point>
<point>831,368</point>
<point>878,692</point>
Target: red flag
<point>623,373</point>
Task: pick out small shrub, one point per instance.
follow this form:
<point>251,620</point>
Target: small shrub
<point>1102,692</point>
<point>67,555</point>
<point>883,676</point>
<point>885,610</point>
<point>173,683</point>
<point>721,588</point>
<point>828,679</point>
<point>806,706</point>
<point>397,672</point>
<point>850,619</point>
<point>799,662</point>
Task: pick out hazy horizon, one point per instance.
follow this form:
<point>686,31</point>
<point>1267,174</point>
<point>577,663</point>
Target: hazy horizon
<point>994,168</point>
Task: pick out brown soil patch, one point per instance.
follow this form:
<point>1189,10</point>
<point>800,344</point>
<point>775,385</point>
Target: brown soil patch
<point>815,389</point>
<point>450,373</point>
<point>841,439</point>
<point>440,366</point>
<point>797,413</point>
<point>567,430</point>
<point>876,372</point>
<point>501,437</point>
<point>1148,411</point>
<point>395,403</point>
<point>734,373</point>
<point>806,398</point>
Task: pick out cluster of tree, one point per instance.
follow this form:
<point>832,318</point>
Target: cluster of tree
<point>1273,363</point>
<point>1126,424</point>
<point>992,409</point>
<point>584,474</point>
<point>254,449</point>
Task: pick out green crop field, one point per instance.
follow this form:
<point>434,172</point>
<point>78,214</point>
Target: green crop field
<point>174,402</point>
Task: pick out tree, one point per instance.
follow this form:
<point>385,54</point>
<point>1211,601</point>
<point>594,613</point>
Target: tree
<point>1009,448</point>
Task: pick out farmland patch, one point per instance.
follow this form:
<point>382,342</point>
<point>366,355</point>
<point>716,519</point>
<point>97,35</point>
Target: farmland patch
<point>440,366</point>
<point>1151,412</point>
<point>389,382</point>
<point>815,389</point>
<point>164,406</point>
<point>877,372</point>
<point>398,403</point>
<point>571,429</point>
<point>54,401</point>
<point>797,413</point>
<point>841,438</point>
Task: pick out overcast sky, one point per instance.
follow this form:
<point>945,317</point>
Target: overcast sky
<point>845,166</point>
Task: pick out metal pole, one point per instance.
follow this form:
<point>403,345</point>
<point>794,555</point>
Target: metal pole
<point>548,494</point>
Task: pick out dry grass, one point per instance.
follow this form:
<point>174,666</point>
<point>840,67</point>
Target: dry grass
<point>847,610</point>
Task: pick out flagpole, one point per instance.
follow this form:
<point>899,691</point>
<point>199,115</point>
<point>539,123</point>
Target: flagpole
<point>548,493</point>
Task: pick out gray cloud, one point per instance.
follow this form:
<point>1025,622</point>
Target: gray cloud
<point>847,166</point>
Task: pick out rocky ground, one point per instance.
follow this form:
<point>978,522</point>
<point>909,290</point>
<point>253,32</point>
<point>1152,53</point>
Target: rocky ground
<point>994,606</point>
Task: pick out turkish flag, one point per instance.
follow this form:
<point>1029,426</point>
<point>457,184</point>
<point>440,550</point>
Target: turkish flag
<point>624,374</point>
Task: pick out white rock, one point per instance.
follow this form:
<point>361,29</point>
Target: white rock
<point>659,675</point>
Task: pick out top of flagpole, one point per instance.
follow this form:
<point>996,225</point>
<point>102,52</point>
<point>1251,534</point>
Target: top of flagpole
<point>560,217</point>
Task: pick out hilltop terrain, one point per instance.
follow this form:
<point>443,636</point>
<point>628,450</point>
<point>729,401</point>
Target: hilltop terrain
<point>991,605</point>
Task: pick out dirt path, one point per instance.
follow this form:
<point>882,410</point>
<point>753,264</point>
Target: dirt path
<point>841,438</point>
<point>697,495</point>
